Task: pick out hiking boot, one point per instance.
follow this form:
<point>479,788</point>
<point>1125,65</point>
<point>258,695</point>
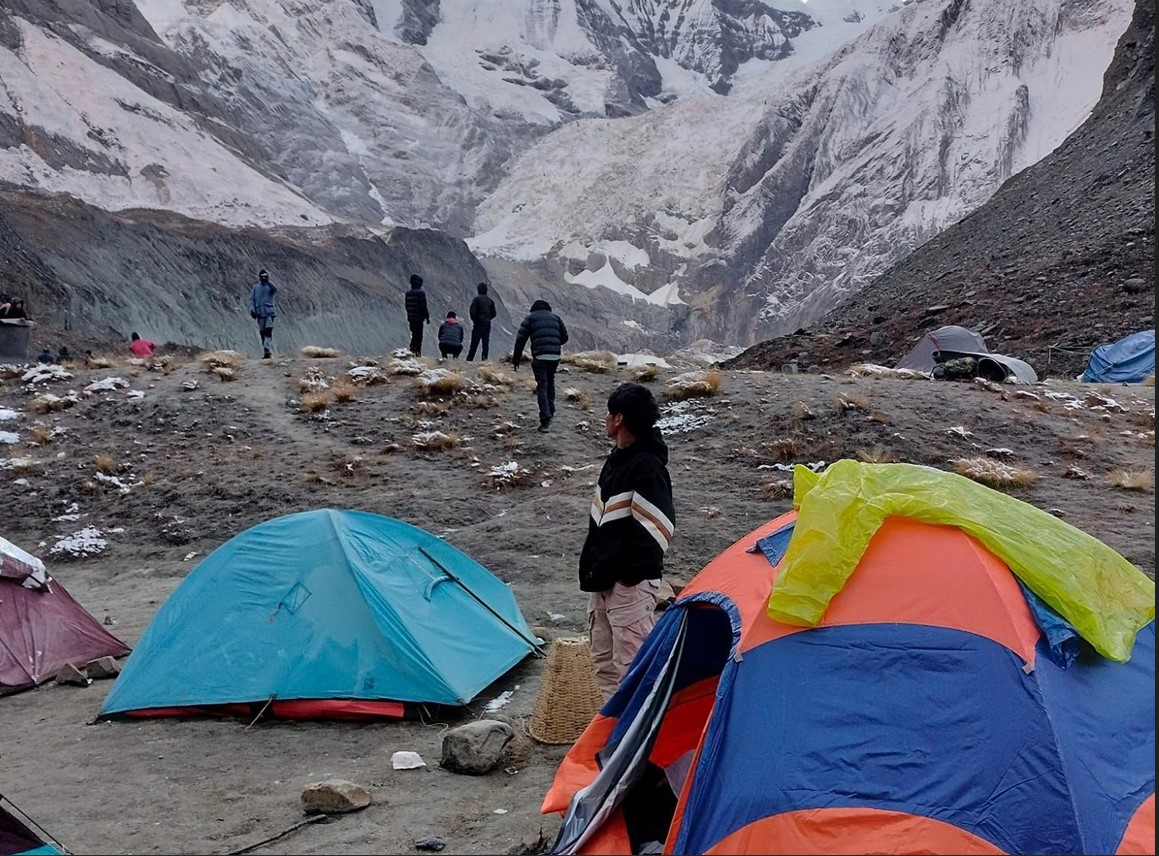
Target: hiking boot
<point>266,354</point>
<point>544,426</point>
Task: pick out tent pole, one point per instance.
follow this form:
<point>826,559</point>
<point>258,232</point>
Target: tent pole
<point>534,645</point>
<point>269,701</point>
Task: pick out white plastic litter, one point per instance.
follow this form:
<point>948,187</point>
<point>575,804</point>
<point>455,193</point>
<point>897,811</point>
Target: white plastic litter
<point>406,760</point>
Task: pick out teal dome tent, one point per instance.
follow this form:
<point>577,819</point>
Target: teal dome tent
<point>325,614</point>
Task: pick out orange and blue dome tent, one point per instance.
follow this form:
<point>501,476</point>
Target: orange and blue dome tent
<point>878,672</point>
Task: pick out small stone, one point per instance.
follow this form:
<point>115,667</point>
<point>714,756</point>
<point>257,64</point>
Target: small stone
<point>70,674</point>
<point>334,796</point>
<point>432,843</point>
<point>1134,285</point>
<point>105,667</point>
<point>477,747</point>
<point>878,338</point>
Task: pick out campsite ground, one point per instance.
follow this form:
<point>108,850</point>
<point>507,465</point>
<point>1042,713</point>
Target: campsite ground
<point>197,466</point>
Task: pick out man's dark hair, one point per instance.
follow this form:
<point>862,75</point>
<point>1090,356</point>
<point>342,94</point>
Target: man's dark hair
<point>482,288</point>
<point>638,407</point>
<point>135,337</point>
<point>452,314</point>
<point>416,281</point>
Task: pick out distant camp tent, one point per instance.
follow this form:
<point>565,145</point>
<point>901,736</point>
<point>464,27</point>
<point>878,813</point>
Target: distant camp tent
<point>1129,360</point>
<point>325,614</point>
<point>954,341</point>
<point>18,839</point>
<point>41,627</point>
<point>931,711</point>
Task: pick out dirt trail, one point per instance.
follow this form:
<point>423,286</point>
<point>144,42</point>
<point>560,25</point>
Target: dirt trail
<point>204,465</point>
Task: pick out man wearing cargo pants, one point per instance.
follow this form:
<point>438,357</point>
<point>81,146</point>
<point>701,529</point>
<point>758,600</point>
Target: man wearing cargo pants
<point>629,530</point>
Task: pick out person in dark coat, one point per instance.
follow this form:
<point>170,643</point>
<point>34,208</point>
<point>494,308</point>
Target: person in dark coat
<point>482,312</point>
<point>547,334</point>
<point>416,313</point>
<point>451,337</point>
<point>630,526</point>
<point>263,309</point>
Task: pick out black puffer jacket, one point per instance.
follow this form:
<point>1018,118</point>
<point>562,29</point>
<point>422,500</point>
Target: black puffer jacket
<point>632,518</point>
<point>546,332</point>
<point>416,306</point>
<point>482,307</point>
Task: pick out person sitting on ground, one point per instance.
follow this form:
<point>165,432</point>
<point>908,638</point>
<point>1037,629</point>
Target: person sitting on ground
<point>141,348</point>
<point>63,356</point>
<point>451,337</point>
<point>45,355</point>
<point>16,309</point>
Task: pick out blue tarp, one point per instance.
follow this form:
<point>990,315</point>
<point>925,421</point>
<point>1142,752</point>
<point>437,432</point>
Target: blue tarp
<point>327,605</point>
<point>1128,360</point>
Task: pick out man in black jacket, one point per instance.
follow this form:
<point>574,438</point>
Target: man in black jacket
<point>629,529</point>
<point>545,330</point>
<point>482,312</point>
<point>416,313</point>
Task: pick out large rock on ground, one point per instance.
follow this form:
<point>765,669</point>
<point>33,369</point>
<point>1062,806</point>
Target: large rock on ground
<point>104,667</point>
<point>334,796</point>
<point>477,747</point>
<point>70,674</point>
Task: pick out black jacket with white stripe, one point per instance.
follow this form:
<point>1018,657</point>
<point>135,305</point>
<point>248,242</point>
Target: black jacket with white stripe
<point>632,518</point>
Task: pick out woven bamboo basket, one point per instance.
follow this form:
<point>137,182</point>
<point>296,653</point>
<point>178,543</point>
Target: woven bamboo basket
<point>568,696</point>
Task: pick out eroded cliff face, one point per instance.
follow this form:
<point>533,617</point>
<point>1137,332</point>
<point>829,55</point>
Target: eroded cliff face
<point>183,281</point>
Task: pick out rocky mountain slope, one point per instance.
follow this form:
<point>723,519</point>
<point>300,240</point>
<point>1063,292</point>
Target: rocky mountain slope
<point>672,170</point>
<point>1062,258</point>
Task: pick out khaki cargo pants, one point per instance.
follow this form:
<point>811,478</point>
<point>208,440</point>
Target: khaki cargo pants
<point>619,620</point>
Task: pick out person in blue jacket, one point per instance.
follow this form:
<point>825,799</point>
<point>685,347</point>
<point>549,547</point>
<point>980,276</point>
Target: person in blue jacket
<point>263,309</point>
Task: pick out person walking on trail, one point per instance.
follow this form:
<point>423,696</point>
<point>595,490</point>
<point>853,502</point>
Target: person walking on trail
<point>451,337</point>
<point>482,312</point>
<point>629,529</point>
<point>263,309</point>
<point>547,334</point>
<point>416,313</point>
<point>141,348</point>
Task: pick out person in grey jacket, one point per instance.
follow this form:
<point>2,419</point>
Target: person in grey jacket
<point>547,334</point>
<point>263,309</point>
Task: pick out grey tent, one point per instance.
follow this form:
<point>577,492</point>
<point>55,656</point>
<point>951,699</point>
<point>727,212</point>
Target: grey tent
<point>953,341</point>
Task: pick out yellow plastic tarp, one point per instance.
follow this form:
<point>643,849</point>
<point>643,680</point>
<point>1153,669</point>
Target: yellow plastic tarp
<point>1105,597</point>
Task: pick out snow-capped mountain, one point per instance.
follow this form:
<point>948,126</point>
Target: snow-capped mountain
<point>806,182</point>
<point>725,168</point>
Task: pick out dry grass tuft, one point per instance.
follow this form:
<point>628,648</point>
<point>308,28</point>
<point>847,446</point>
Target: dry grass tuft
<point>490,374</point>
<point>105,463</point>
<point>314,352</point>
<point>148,480</point>
<point>431,408</point>
<point>344,391</point>
<point>214,359</point>
<point>41,433</point>
<point>1149,380</point>
<point>434,440</point>
<point>876,455</point>
<point>101,362</point>
<point>693,385</point>
<point>316,402</point>
<point>644,374</point>
<point>845,403</point>
<point>168,363</point>
<point>780,489</point>
<point>596,362</point>
<point>439,382</point>
<point>786,448</point>
<point>49,403</point>
<point>480,401</point>
<point>802,411</point>
<point>993,473</point>
<point>1140,480</point>
<point>578,397</point>
<point>226,373</point>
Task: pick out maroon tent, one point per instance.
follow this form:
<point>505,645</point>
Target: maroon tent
<point>41,627</point>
